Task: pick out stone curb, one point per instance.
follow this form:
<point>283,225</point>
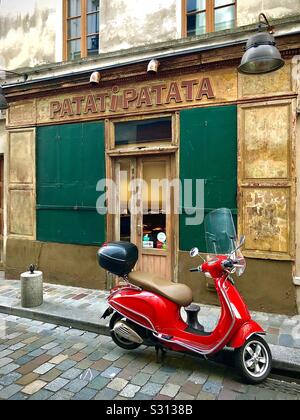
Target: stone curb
<point>55,319</point>
<point>284,358</point>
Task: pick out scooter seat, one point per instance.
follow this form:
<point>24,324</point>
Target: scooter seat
<point>178,293</point>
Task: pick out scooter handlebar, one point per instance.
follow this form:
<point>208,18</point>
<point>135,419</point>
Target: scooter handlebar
<point>229,263</point>
<point>196,270</point>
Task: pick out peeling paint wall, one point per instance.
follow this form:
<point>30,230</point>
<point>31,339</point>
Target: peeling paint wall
<point>248,11</point>
<point>128,23</point>
<point>30,32</point>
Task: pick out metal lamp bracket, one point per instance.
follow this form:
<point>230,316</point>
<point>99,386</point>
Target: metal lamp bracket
<point>264,23</point>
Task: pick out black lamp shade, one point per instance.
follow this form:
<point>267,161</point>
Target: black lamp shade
<point>3,101</point>
<point>261,56</point>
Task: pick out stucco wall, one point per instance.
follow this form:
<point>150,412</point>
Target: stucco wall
<point>127,23</point>
<point>30,32</point>
<point>248,11</point>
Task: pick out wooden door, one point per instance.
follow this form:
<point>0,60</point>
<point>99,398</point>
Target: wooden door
<point>144,213</point>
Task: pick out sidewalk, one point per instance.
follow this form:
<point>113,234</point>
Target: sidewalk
<point>82,309</point>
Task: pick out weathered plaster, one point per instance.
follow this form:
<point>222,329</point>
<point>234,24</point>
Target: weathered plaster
<point>248,11</point>
<point>71,265</point>
<point>125,24</point>
<point>28,32</point>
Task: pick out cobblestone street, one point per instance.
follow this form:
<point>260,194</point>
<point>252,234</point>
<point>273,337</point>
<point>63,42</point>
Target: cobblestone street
<point>43,361</point>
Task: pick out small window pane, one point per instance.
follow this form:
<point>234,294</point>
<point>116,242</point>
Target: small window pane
<point>93,23</point>
<point>74,28</point>
<point>196,5</point>
<point>154,206</point>
<point>93,6</point>
<point>196,24</point>
<point>74,8</point>
<point>93,44</point>
<point>220,3</point>
<point>74,50</point>
<point>144,131</point>
<point>225,18</point>
<point>125,200</point>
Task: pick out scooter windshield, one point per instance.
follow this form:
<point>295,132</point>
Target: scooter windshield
<point>220,232</point>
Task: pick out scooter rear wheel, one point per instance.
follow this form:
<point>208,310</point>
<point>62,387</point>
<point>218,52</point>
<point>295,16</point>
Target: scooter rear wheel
<point>254,360</point>
<point>120,341</point>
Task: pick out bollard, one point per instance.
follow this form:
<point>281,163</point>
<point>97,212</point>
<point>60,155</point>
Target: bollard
<point>32,288</point>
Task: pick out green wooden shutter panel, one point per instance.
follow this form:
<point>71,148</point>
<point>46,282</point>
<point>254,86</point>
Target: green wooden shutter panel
<point>70,162</point>
<point>208,151</point>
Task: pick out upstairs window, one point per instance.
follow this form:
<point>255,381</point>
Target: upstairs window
<point>205,16</point>
<point>81,28</point>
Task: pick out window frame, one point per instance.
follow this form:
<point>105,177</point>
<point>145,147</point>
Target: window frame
<point>210,15</point>
<point>84,30</point>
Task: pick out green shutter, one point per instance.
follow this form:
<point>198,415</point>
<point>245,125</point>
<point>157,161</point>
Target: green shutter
<point>70,162</point>
<point>208,151</point>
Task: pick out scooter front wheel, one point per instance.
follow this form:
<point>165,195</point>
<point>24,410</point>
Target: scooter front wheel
<point>254,360</point>
<point>120,341</point>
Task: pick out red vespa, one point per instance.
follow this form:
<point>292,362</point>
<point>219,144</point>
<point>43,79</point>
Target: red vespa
<point>147,310</point>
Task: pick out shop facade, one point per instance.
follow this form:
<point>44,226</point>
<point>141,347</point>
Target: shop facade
<point>235,133</point>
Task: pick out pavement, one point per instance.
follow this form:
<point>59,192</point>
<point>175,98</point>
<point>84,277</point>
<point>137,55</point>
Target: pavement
<point>81,309</point>
<point>44,361</point>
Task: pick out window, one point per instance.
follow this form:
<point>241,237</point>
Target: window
<point>81,28</point>
<point>144,131</point>
<point>204,16</point>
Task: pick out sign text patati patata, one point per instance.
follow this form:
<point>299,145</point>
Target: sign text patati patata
<point>122,100</point>
<point>218,87</point>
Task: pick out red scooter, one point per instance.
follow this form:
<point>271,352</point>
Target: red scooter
<point>147,310</point>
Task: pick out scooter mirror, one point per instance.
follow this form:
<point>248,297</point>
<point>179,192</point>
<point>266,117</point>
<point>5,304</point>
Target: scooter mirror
<point>194,252</point>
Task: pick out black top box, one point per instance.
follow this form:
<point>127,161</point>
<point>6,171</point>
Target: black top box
<point>118,258</point>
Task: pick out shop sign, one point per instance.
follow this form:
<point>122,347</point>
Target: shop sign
<point>123,100</point>
<point>218,86</point>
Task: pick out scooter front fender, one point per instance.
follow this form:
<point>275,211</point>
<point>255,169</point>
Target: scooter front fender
<point>244,333</point>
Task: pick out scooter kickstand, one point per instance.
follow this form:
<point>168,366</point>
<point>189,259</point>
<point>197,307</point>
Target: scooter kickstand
<point>163,354</point>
